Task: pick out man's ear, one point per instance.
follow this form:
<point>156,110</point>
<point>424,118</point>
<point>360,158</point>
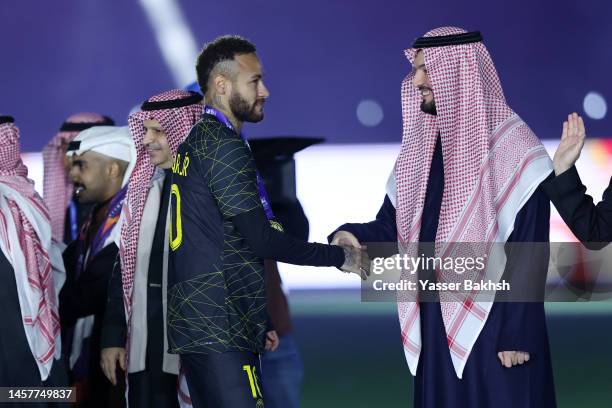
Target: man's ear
<point>114,170</point>
<point>220,84</point>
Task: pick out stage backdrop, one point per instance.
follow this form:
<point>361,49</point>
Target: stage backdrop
<point>333,67</point>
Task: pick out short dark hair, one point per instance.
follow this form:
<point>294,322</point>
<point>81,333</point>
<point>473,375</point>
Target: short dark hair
<point>223,48</point>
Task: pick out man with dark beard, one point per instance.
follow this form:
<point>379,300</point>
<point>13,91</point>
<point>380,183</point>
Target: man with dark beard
<point>67,214</point>
<point>469,171</point>
<point>102,160</point>
<point>222,229</point>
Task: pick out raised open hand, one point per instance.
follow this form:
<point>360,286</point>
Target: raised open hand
<point>572,141</point>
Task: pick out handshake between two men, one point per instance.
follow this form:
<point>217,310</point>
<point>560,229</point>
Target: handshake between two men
<point>356,259</point>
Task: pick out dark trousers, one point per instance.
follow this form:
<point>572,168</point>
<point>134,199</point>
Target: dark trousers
<point>223,380</point>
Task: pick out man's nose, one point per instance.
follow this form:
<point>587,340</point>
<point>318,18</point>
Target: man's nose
<point>417,80</point>
<point>74,174</point>
<point>147,139</point>
<point>263,91</point>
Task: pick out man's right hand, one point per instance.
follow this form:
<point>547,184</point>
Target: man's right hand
<point>572,141</point>
<point>109,357</point>
<point>356,258</point>
<point>356,261</point>
<point>345,238</point>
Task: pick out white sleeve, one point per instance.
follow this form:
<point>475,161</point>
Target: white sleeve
<point>391,188</point>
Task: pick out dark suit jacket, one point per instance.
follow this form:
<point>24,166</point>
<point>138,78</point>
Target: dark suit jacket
<point>591,223</point>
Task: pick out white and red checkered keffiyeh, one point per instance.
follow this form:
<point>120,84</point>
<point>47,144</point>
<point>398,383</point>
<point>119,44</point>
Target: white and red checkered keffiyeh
<point>492,165</point>
<point>176,123</point>
<point>57,187</point>
<point>25,240</point>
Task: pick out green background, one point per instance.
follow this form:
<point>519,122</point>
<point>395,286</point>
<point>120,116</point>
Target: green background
<point>353,357</point>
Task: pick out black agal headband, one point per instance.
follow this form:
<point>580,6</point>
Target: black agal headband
<point>445,40</point>
<point>79,127</point>
<point>192,99</point>
<point>6,119</point>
